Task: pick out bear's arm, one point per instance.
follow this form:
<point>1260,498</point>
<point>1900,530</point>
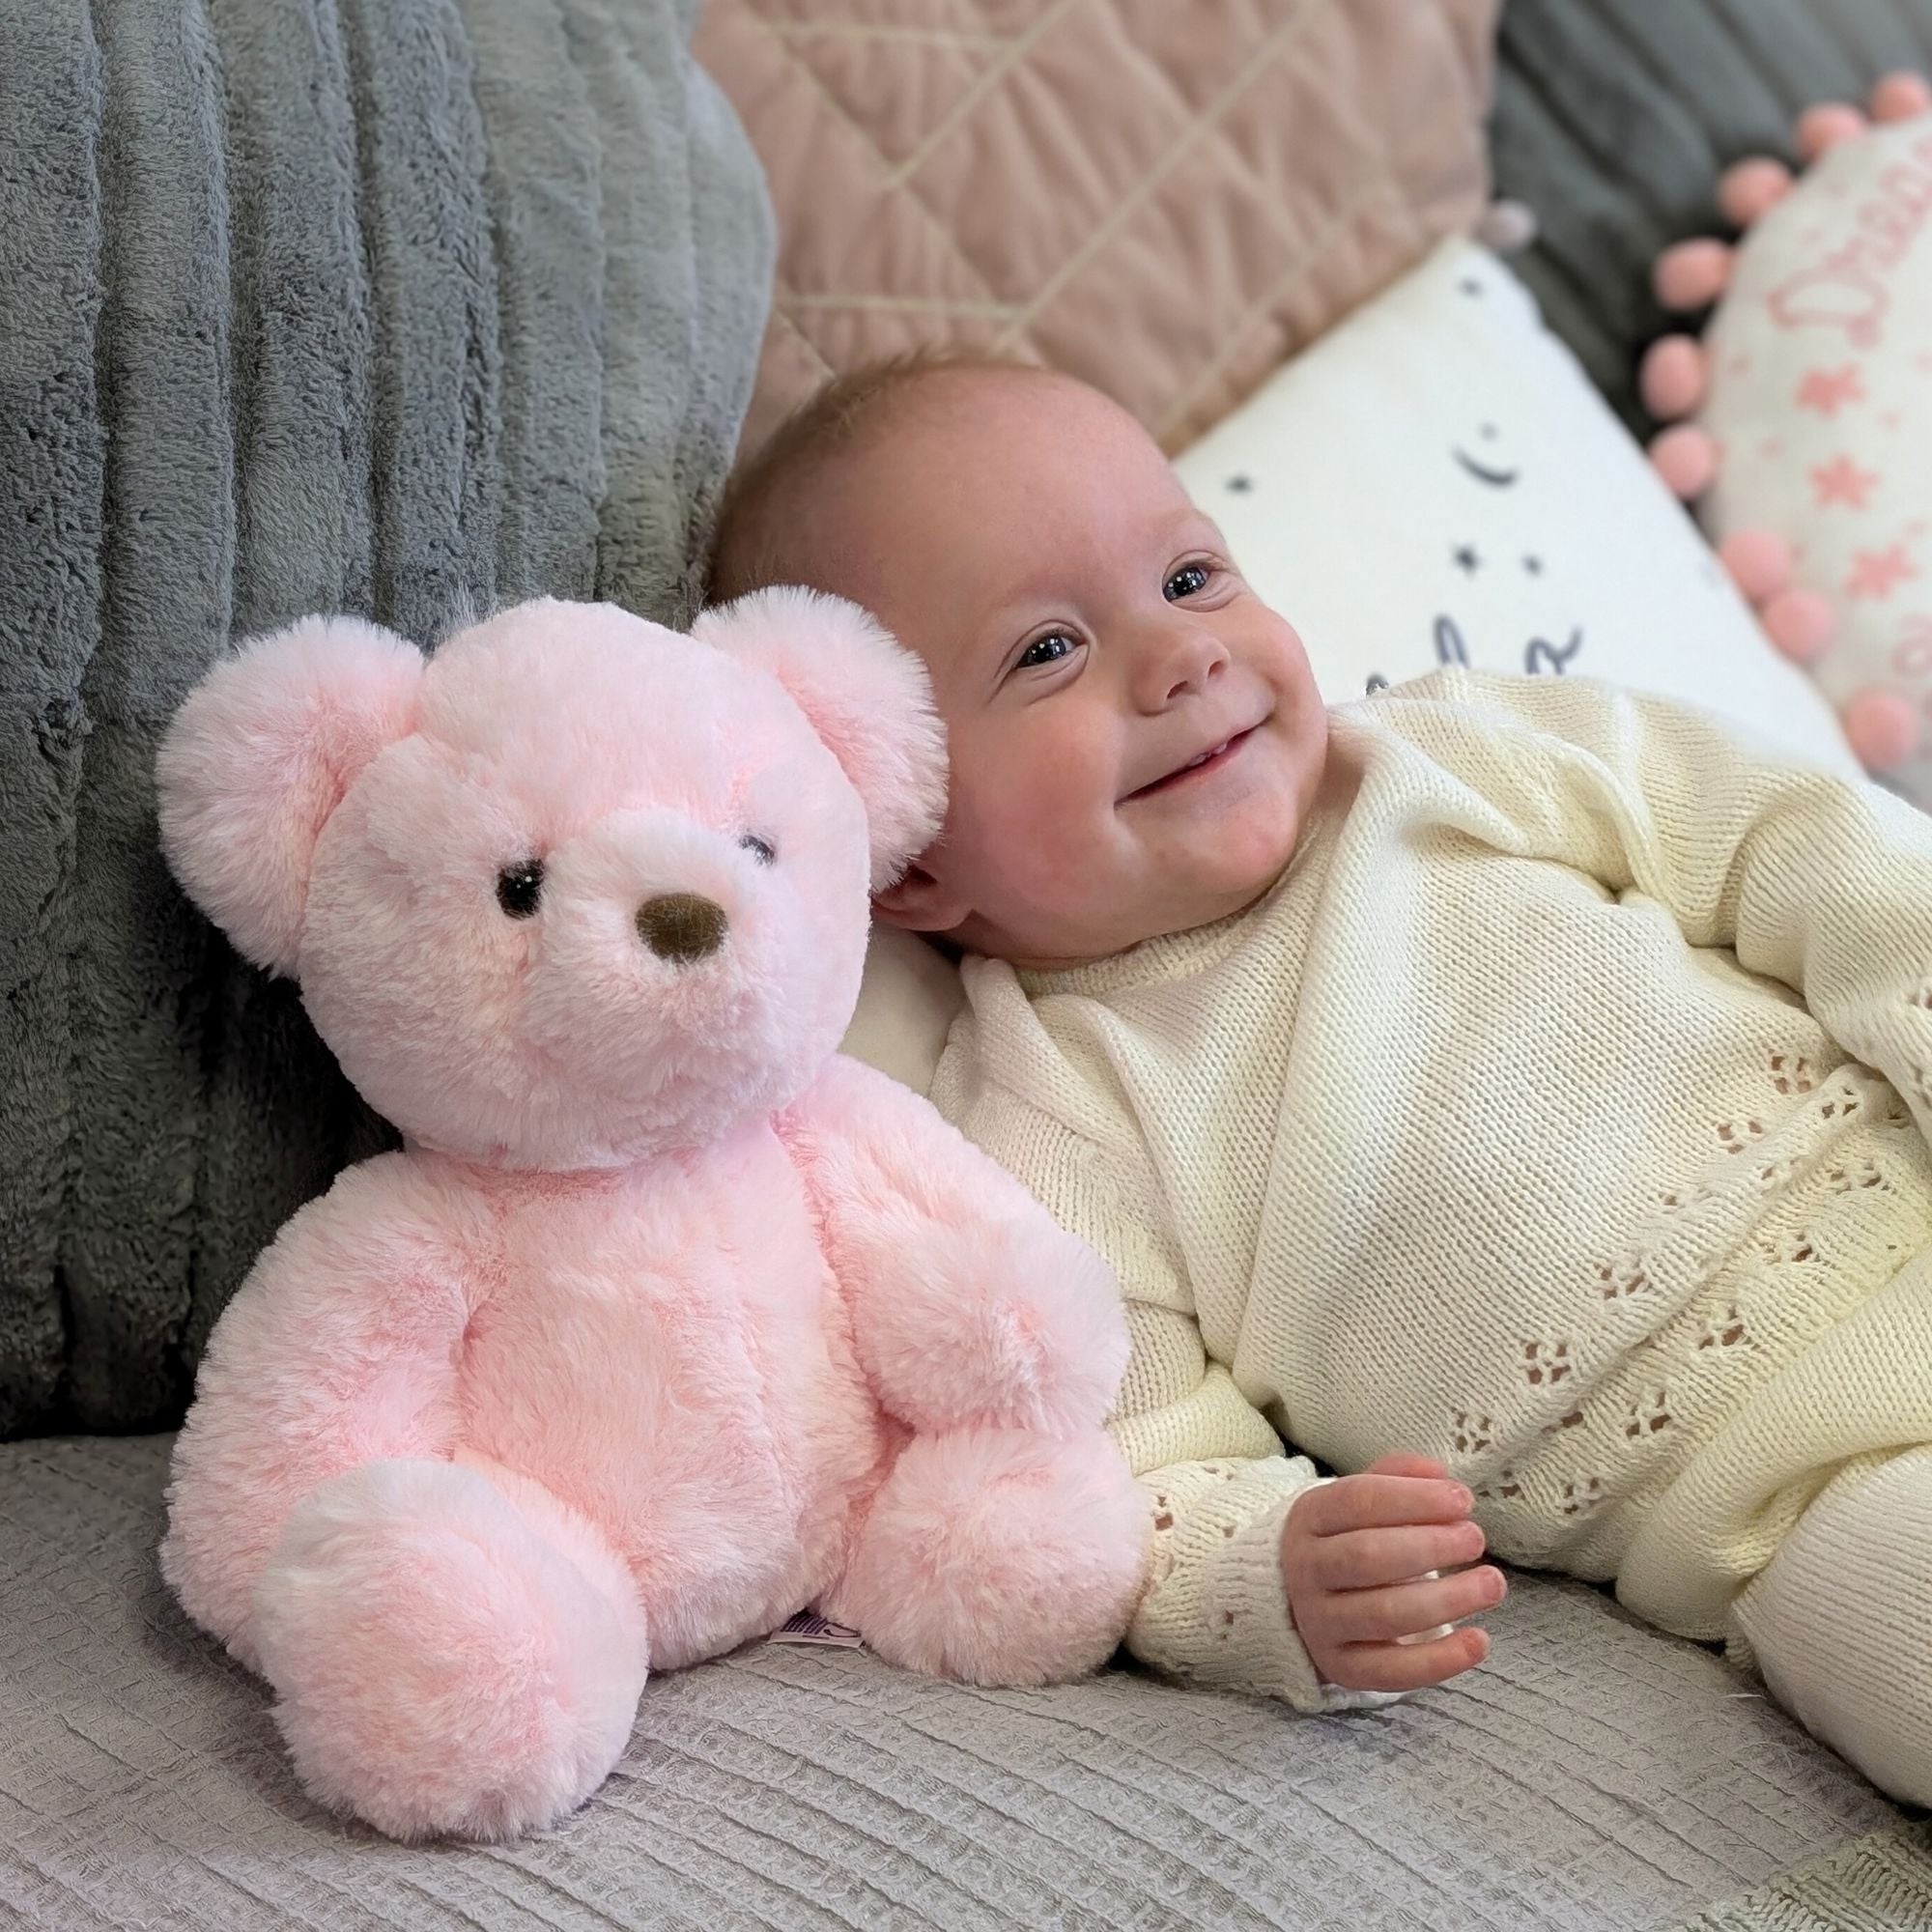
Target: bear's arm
<point>968,1304</point>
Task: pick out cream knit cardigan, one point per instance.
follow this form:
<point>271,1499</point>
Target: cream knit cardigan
<point>1544,1109</point>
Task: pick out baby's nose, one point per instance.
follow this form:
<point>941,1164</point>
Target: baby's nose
<point>1182,655</point>
<point>681,926</point>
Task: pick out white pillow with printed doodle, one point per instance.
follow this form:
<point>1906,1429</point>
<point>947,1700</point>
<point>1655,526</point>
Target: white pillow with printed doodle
<point>1437,481</point>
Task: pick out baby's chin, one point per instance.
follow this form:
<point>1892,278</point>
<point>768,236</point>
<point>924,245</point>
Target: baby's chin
<point>1229,863</point>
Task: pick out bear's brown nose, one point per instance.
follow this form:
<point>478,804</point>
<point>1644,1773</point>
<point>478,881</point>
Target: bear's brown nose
<point>681,926</point>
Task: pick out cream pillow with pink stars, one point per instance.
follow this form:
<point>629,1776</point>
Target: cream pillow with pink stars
<point>1809,407</point>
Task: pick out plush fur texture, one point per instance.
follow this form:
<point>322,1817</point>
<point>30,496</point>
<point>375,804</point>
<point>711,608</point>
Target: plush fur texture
<point>844,681</point>
<point>260,760</point>
<point>668,1322</point>
<point>985,1549</point>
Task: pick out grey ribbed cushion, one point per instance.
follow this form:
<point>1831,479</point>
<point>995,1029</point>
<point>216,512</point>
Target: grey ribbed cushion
<point>373,305</point>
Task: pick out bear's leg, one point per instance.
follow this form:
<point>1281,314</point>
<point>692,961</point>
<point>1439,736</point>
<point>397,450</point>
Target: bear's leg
<point>451,1654</point>
<point>998,1556</point>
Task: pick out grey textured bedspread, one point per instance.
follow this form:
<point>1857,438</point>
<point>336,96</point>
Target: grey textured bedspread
<point>1595,1776</point>
<point>1613,119</point>
<point>375,305</point>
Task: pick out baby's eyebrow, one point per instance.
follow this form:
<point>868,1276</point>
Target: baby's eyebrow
<point>1192,523</point>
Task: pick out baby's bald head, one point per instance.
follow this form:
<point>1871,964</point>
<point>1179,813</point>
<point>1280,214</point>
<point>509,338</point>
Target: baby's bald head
<point>1088,638</point>
<point>783,515</point>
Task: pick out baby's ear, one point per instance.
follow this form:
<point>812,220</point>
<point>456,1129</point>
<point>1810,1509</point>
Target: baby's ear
<point>258,757</point>
<point>868,699</point>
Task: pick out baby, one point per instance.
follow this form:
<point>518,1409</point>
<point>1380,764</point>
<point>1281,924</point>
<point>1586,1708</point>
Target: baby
<point>1512,1090</point>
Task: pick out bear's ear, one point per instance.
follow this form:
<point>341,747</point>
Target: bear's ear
<point>866,696</point>
<point>258,757</point>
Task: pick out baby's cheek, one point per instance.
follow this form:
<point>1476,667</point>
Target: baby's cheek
<point>1029,807</point>
<point>1058,796</point>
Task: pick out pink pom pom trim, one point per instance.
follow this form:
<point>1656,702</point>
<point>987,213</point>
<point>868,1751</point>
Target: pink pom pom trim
<point>1883,729</point>
<point>1901,97</point>
<point>1752,189</point>
<point>1826,127</point>
<point>1692,274</point>
<point>1674,378</point>
<point>1801,624</point>
<point>1686,459</point>
<point>1759,562</point>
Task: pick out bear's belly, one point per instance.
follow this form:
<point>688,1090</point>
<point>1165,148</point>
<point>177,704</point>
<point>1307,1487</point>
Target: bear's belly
<point>671,1358</point>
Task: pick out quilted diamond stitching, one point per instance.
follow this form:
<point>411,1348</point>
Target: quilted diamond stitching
<point>1388,195</point>
<point>838,109</point>
<point>1209,123</point>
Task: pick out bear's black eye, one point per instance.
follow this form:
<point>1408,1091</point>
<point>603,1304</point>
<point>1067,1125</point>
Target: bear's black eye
<point>520,888</point>
<point>761,850</point>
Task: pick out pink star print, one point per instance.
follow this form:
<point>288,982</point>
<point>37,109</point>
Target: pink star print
<point>1829,390</point>
<point>1878,573</point>
<point>1842,481</point>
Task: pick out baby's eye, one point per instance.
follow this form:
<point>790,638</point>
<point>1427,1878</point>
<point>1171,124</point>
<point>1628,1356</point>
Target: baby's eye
<point>1189,580</point>
<point>1056,647</point>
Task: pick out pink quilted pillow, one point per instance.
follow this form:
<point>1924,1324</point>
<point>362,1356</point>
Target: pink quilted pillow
<point>1161,196</point>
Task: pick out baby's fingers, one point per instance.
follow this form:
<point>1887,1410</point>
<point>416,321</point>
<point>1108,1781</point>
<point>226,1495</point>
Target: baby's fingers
<point>1364,1558</point>
<point>1402,1464</point>
<point>1364,1502</point>
<point>1409,1666</point>
<point>1402,1610</point>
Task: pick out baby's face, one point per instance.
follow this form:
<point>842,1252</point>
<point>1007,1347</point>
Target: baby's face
<point>1134,736</point>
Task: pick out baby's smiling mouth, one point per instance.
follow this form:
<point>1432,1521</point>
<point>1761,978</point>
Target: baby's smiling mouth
<point>1203,762</point>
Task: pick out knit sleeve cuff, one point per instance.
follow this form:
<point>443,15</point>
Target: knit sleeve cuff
<point>1251,1595</point>
<point>1217,1613</point>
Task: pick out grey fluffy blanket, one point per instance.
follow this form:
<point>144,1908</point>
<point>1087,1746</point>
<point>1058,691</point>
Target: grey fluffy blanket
<point>372,305</point>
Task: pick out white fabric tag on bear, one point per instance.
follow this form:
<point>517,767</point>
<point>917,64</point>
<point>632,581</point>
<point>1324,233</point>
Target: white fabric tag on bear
<point>810,1630</point>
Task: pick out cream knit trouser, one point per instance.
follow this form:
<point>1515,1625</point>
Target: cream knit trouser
<point>1841,1621</point>
<point>1800,1530</point>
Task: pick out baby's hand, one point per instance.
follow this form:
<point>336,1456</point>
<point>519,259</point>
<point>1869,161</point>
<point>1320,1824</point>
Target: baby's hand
<point>1355,1555</point>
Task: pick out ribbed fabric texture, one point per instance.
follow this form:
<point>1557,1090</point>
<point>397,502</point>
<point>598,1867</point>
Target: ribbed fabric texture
<point>396,307</point>
<point>1544,1117</point>
<point>1592,1777</point>
<point>1880,1882</point>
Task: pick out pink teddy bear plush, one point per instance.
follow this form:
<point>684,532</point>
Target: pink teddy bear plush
<point>669,1322</point>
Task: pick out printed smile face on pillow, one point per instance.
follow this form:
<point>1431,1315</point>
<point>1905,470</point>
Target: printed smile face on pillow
<point>1454,496</point>
<point>1504,593</point>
